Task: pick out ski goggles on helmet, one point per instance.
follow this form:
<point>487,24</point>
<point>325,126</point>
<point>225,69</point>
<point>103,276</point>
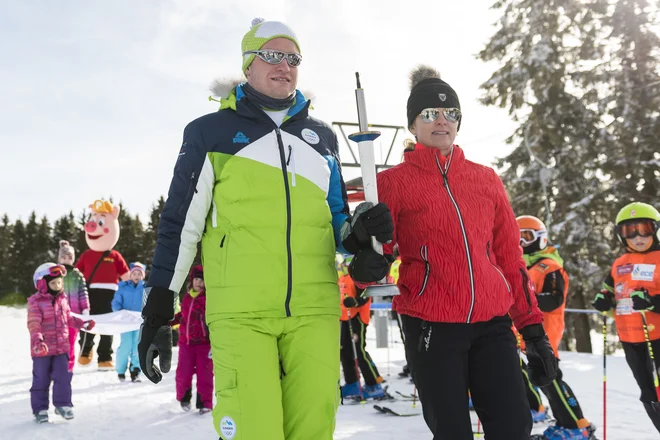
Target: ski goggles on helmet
<point>642,227</point>
<point>429,115</point>
<point>276,56</point>
<point>529,236</point>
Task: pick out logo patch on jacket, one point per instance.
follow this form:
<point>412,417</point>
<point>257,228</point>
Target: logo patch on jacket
<point>310,136</point>
<point>643,272</point>
<point>240,138</point>
<point>624,270</point>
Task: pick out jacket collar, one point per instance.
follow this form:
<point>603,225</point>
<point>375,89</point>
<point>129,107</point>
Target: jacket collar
<point>430,159</point>
<point>240,104</point>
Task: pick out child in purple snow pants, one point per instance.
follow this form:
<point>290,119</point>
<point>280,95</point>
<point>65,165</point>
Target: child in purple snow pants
<point>194,347</point>
<point>49,318</point>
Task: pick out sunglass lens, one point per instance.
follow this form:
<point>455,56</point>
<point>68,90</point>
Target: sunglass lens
<point>430,115</point>
<point>293,59</point>
<point>452,114</point>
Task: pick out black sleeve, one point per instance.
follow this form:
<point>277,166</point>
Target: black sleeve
<point>360,300</point>
<point>552,295</point>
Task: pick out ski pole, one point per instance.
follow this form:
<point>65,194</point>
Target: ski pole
<point>365,140</point>
<point>355,356</point>
<point>604,376</point>
<point>650,347</point>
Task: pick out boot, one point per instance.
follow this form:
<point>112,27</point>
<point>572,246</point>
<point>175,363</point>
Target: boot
<point>540,415</point>
<point>373,391</point>
<point>203,411</point>
<point>185,400</point>
<point>121,377</point>
<point>135,373</point>
<point>405,372</point>
<point>199,404</point>
<point>64,411</point>
<point>106,366</point>
<point>85,359</point>
<point>350,390</point>
<point>41,416</point>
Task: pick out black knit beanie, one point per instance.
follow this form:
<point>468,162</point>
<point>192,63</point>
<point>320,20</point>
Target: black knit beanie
<point>427,90</point>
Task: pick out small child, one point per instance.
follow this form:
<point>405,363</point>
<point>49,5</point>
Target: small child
<point>49,318</point>
<point>75,291</point>
<point>129,297</point>
<point>632,289</point>
<point>194,347</point>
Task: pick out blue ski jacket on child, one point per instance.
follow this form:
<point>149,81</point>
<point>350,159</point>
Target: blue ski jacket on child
<point>128,296</point>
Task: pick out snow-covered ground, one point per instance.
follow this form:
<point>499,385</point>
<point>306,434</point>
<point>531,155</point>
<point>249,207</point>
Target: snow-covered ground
<point>108,410</point>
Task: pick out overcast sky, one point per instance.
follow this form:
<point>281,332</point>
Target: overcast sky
<point>95,94</point>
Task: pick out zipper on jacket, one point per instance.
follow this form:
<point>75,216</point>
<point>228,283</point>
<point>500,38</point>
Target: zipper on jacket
<point>424,253</point>
<point>508,288</point>
<point>192,303</point>
<point>189,193</point>
<point>292,160</point>
<point>465,238</point>
<point>287,192</point>
<point>525,283</point>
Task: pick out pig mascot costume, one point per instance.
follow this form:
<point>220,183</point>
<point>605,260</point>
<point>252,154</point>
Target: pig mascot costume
<point>103,267</point>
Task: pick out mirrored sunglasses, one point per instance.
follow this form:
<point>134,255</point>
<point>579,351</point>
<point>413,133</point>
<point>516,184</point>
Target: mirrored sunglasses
<point>429,115</point>
<point>276,56</point>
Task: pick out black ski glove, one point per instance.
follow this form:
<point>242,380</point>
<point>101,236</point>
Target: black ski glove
<point>350,302</point>
<point>368,266</point>
<point>603,301</point>
<point>156,334</point>
<point>643,301</point>
<point>368,221</point>
<point>541,358</point>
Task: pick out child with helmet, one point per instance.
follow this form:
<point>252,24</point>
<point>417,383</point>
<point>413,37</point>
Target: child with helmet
<point>49,318</point>
<point>546,271</point>
<point>632,289</point>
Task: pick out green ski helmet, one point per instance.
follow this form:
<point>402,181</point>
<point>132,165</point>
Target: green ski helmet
<point>637,211</point>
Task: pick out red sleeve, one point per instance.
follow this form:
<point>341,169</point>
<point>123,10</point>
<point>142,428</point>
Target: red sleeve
<point>120,264</point>
<point>80,265</point>
<point>507,250</point>
<point>387,194</point>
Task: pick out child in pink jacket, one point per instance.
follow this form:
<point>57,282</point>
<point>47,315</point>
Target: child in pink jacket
<point>49,318</point>
<point>194,347</point>
<point>75,291</point>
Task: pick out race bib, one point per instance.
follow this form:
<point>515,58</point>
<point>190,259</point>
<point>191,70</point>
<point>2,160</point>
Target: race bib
<point>624,306</point>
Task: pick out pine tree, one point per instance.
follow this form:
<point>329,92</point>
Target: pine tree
<point>21,266</point>
<point>6,252</point>
<point>542,47</point>
<point>151,233</point>
<point>65,228</point>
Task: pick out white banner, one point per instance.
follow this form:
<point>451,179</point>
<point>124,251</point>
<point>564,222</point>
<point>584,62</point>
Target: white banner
<point>114,323</point>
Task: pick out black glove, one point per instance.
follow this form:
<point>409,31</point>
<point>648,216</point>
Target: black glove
<point>368,221</point>
<point>368,266</point>
<point>643,301</point>
<point>350,302</point>
<point>156,334</point>
<point>603,301</point>
<point>541,358</point>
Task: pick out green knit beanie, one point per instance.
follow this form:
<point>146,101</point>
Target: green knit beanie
<point>261,33</point>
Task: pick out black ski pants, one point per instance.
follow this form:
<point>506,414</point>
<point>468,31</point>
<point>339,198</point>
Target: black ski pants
<point>367,367</point>
<point>639,361</point>
<point>100,302</point>
<point>446,359</point>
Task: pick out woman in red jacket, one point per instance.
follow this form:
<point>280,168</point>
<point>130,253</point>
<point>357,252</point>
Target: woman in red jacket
<point>462,277</point>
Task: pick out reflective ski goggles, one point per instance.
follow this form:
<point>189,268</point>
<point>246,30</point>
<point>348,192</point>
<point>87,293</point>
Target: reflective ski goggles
<point>529,236</point>
<point>429,115</point>
<point>642,227</point>
<point>276,56</point>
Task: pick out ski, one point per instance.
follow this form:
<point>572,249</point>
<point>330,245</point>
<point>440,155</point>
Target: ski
<point>389,411</point>
<point>406,396</point>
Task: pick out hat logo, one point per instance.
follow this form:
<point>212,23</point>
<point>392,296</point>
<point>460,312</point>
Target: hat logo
<point>633,213</point>
<point>442,97</point>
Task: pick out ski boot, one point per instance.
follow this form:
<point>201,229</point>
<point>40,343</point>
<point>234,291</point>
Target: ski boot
<point>405,372</point>
<point>374,392</point>
<point>121,377</point>
<point>65,411</point>
<point>135,373</point>
<point>351,391</point>
<point>41,416</point>
<point>559,433</point>
<point>541,415</point>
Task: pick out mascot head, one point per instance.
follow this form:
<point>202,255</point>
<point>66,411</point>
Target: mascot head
<point>102,229</point>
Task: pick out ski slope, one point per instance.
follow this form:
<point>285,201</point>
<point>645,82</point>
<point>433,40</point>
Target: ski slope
<point>107,410</point>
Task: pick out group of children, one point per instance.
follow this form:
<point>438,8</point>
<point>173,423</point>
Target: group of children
<point>61,291</point>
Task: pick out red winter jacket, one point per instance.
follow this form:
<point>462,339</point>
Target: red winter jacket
<point>459,241</point>
<point>192,320</point>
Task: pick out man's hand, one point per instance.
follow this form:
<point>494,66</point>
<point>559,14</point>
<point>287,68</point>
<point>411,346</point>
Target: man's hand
<point>368,221</point>
<point>156,334</point>
<point>368,266</point>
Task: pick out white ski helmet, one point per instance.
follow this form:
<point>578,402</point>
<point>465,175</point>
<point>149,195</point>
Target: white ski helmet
<point>47,269</point>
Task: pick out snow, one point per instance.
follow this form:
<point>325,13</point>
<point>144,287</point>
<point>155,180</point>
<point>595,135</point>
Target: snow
<point>106,409</point>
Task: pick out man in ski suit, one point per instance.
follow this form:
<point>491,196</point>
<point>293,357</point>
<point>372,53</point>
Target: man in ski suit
<point>546,271</point>
<point>259,183</point>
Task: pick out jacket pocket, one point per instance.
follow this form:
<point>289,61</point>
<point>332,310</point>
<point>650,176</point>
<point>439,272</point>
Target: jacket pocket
<point>508,287</point>
<point>189,194</point>
<point>224,249</point>
<point>424,253</point>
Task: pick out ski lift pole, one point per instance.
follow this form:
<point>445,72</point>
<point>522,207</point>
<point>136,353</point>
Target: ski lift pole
<point>365,140</point>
